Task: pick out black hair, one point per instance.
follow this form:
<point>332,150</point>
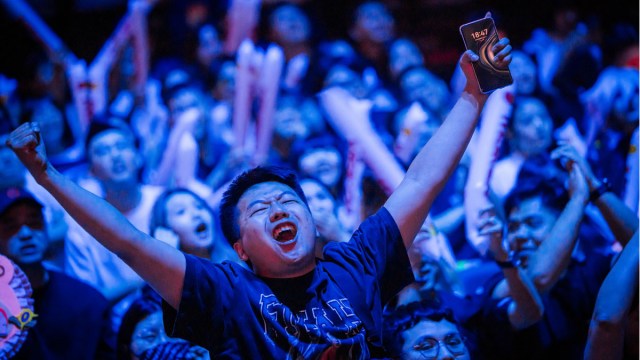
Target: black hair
<point>148,303</point>
<point>404,317</point>
<point>107,121</point>
<point>301,147</point>
<point>242,183</point>
<point>325,188</point>
<point>539,177</point>
<point>178,78</point>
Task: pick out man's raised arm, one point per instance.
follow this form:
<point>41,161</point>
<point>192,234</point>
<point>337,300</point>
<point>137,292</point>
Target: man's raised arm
<point>411,201</point>
<point>159,264</point>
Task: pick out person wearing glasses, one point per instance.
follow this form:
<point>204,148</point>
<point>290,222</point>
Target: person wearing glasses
<point>420,331</point>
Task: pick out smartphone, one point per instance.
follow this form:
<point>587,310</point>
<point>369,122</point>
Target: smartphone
<point>480,36</point>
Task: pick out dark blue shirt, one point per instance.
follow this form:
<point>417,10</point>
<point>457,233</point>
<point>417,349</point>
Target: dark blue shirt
<point>334,311</point>
<point>71,322</point>
<point>562,331</point>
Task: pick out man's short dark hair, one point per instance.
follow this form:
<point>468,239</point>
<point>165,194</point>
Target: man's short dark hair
<point>404,317</point>
<point>11,196</point>
<point>242,182</point>
<point>105,122</point>
<point>539,177</point>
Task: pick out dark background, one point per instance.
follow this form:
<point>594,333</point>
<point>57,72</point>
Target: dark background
<point>84,25</point>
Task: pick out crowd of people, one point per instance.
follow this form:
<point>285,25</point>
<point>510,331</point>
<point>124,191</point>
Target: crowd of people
<point>266,192</point>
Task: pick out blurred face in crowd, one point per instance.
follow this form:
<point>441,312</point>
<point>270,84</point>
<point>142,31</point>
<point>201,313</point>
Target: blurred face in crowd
<point>114,158</point>
<point>289,25</point>
<point>422,86</point>
<point>290,123</point>
<point>148,333</point>
<point>427,271</point>
<point>413,135</point>
<point>22,233</point>
<point>429,339</point>
<point>342,76</point>
<point>532,127</point>
<point>209,46</point>
<point>187,99</point>
<point>428,254</point>
<point>51,122</point>
<point>277,233</point>
<point>523,71</point>
<point>226,83</point>
<point>191,220</point>
<point>529,224</point>
<point>319,199</point>
<point>373,23</point>
<point>624,109</point>
<point>402,55</point>
<point>323,163</point>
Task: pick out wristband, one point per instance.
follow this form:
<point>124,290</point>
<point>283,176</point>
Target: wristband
<point>604,187</point>
<point>507,264</point>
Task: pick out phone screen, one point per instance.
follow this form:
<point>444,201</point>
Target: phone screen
<point>480,36</point>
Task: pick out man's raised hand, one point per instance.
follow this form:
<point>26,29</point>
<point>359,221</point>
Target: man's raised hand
<point>27,143</point>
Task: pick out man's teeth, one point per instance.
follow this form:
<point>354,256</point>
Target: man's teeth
<point>284,233</point>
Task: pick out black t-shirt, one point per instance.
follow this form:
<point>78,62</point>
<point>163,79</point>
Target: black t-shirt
<point>562,331</point>
<point>72,318</point>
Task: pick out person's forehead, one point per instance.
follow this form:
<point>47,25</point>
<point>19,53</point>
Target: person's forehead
<point>265,190</point>
<point>430,328</point>
<point>531,107</point>
<point>287,12</point>
<point>21,206</point>
<point>153,320</point>
<point>310,187</point>
<point>527,207</point>
<point>314,190</point>
<point>180,198</point>
<point>319,152</point>
<point>416,77</point>
<point>110,136</point>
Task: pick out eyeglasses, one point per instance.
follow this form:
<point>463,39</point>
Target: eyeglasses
<point>430,347</point>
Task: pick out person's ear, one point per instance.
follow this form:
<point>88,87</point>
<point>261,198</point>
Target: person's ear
<point>237,246</point>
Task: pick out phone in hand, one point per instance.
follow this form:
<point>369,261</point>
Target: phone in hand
<point>480,36</point>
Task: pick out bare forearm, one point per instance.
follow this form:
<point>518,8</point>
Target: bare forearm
<point>622,221</point>
<point>604,343</point>
<point>619,288</point>
<point>554,254</point>
<point>440,156</point>
<point>527,307</point>
<point>157,263</point>
<point>98,217</point>
<point>429,171</point>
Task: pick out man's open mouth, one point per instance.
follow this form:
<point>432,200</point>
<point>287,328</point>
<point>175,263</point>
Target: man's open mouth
<point>285,233</point>
<point>201,229</point>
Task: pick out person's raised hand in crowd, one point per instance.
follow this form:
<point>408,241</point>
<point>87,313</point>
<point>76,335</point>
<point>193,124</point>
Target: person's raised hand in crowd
<point>621,220</point>
<point>491,225</point>
<point>26,143</point>
<point>577,186</point>
<point>526,306</point>
<point>501,49</point>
